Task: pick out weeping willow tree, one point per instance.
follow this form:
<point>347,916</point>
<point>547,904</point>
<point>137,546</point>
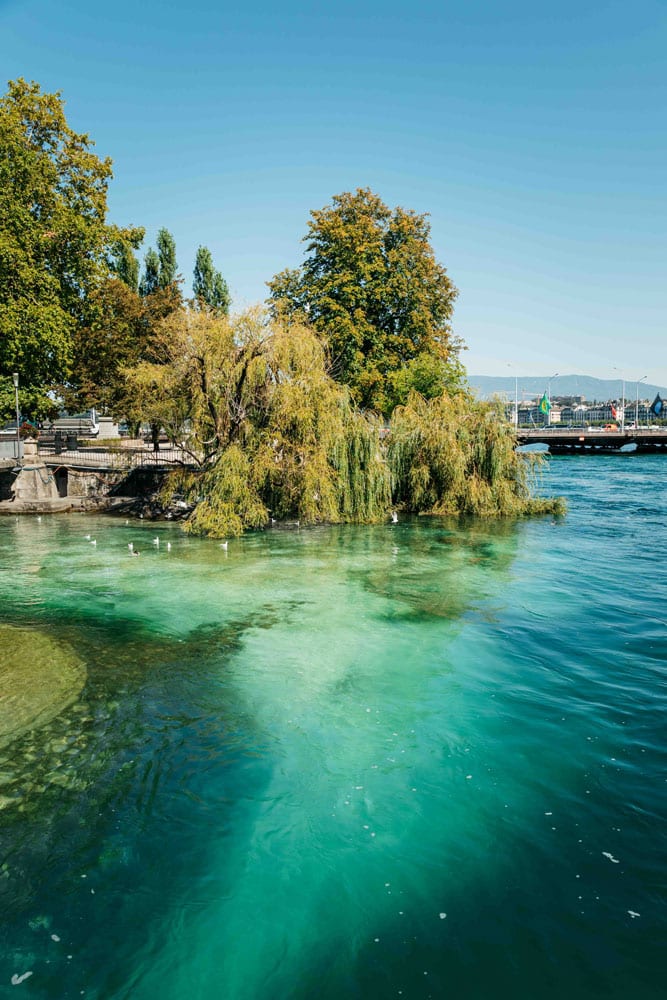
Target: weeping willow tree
<point>454,455</point>
<point>270,434</point>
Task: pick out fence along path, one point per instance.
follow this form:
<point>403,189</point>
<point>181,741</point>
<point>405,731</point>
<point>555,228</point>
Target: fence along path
<point>112,458</point>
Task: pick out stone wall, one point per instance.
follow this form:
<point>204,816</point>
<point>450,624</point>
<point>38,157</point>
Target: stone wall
<point>91,483</point>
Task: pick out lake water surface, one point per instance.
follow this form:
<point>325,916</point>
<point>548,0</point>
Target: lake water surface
<point>417,760</point>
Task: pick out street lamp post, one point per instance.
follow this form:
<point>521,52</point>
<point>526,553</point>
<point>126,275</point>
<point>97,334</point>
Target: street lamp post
<point>642,379</point>
<point>15,379</point>
<point>623,406</point>
<point>622,374</point>
<point>555,375</point>
<point>516,399</point>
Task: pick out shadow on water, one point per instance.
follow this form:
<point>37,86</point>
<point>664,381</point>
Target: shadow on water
<point>106,808</point>
<point>442,576</point>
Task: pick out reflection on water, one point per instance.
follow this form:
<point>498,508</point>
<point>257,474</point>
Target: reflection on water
<point>343,762</point>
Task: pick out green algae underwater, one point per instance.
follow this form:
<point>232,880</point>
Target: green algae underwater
<point>422,759</point>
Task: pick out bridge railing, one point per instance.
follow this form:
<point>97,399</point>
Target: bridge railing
<point>113,458</point>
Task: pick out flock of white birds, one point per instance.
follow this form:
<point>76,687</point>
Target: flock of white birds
<point>223,545</point>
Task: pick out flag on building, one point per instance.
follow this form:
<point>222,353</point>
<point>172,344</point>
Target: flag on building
<point>545,405</point>
<point>657,406</point>
<point>614,411</point>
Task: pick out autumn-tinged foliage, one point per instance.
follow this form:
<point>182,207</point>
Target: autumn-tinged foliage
<point>251,401</point>
<point>371,285</point>
<point>274,435</point>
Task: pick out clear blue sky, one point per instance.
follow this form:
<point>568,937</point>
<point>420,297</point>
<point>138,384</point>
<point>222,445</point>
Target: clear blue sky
<point>534,134</point>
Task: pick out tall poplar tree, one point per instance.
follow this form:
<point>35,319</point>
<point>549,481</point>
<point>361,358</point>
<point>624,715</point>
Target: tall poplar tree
<point>150,281</point>
<point>209,287</point>
<point>160,267</point>
<point>166,251</point>
<point>126,265</point>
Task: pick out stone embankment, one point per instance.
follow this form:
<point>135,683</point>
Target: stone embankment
<point>37,488</point>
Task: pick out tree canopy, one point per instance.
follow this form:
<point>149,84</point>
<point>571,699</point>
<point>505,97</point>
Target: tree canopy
<point>370,283</point>
<point>166,252</point>
<point>455,455</point>
<point>209,287</point>
<point>113,334</point>
<point>55,243</point>
<point>160,267</point>
<point>125,264</point>
<point>251,401</point>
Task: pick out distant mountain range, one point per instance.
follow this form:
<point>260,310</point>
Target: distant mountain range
<point>593,389</point>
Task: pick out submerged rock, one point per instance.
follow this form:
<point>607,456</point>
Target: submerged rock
<point>39,677</point>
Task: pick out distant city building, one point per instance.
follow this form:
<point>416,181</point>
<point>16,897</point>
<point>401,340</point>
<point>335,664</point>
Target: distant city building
<point>574,411</point>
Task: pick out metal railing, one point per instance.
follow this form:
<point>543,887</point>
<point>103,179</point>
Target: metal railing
<point>113,458</point>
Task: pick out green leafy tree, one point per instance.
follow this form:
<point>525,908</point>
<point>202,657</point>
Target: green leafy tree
<point>54,240</point>
<point>428,375</point>
<point>150,280</point>
<point>160,289</point>
<point>114,334</point>
<point>166,251</point>
<point>33,402</point>
<point>125,264</point>
<point>272,432</point>
<point>209,287</point>
<point>453,455</point>
<point>370,283</point>
<point>119,329</point>
<point>160,267</point>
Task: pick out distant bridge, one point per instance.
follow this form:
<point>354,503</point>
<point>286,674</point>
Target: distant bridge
<point>578,440</point>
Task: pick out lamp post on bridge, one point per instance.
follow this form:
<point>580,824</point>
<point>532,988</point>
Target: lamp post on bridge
<point>15,380</point>
<point>555,375</point>
<point>622,374</point>
<point>642,379</point>
<point>516,398</point>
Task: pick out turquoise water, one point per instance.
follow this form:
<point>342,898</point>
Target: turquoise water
<point>417,760</point>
